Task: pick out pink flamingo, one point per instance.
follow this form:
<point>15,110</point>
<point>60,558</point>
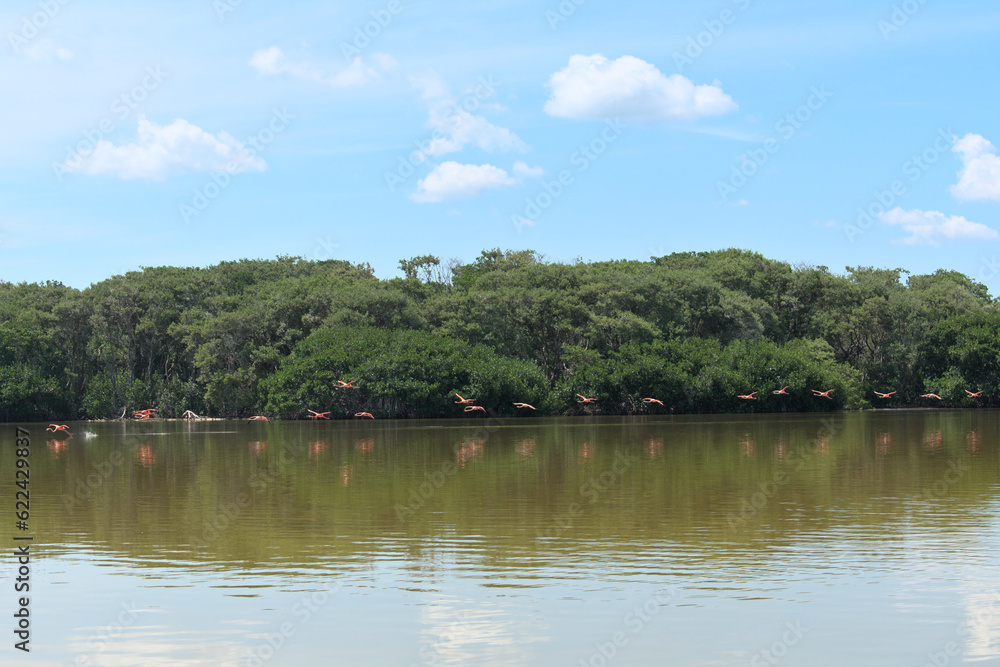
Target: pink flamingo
<point>524,405</point>
<point>364,414</point>
<point>747,397</point>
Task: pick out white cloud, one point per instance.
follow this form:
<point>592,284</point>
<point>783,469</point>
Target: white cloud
<point>455,127</point>
<point>980,175</point>
<point>931,227</point>
<point>167,150</point>
<point>451,180</point>
<point>44,49</point>
<point>272,61</point>
<point>593,87</point>
<point>522,170</point>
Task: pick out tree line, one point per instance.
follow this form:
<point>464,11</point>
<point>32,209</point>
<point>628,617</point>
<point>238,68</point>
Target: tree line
<point>692,329</point>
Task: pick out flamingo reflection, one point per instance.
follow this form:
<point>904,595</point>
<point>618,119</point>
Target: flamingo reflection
<point>748,445</point>
<point>525,448</point>
<point>346,473</point>
<point>780,449</point>
<point>257,447</point>
<point>316,448</point>
<point>883,443</point>
<point>972,442</point>
<point>468,451</point>
<point>654,448</point>
<point>365,445</point>
<point>57,447</point>
<point>932,441</point>
<point>145,456</point>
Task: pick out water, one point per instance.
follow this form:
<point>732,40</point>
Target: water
<point>860,539</point>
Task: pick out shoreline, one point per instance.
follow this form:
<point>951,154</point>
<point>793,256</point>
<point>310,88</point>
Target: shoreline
<point>513,416</point>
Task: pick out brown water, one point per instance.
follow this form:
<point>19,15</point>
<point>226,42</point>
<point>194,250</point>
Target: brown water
<point>844,539</point>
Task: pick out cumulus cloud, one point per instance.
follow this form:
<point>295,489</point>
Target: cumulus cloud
<point>272,61</point>
<point>522,170</point>
<point>593,87</point>
<point>979,178</point>
<point>932,227</point>
<point>454,126</point>
<point>451,180</point>
<point>167,150</point>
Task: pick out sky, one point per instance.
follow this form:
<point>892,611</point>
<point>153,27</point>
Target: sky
<point>185,133</point>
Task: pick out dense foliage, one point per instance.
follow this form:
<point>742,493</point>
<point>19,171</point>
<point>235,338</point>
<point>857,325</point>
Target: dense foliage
<point>692,329</point>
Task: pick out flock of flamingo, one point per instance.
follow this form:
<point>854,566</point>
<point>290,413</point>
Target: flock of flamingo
<point>826,394</point>
<point>150,413</point>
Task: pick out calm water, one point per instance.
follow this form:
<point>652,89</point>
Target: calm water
<point>846,539</point>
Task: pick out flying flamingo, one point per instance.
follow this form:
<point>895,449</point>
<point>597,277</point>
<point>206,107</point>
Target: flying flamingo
<point>747,397</point>
<point>346,385</point>
<point>647,401</point>
<point>364,414</point>
<point>824,394</point>
<point>473,408</point>
<point>524,405</point>
<point>974,395</point>
<point>881,395</point>
<point>317,415</point>
<point>584,399</point>
<point>258,418</point>
<point>58,427</point>
<point>931,396</point>
<point>781,391</point>
<point>463,401</point>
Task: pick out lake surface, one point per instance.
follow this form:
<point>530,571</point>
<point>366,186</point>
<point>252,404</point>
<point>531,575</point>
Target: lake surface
<point>840,539</point>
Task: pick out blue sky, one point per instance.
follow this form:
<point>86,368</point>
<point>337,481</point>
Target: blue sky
<point>190,132</point>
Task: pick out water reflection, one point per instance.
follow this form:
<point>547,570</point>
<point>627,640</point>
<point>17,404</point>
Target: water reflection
<point>878,530</point>
<point>525,448</point>
<point>654,448</point>
<point>144,456</point>
<point>462,631</point>
<point>365,445</point>
<point>780,449</point>
<point>972,442</point>
<point>932,441</point>
<point>56,447</point>
<point>883,443</point>
<point>316,448</point>
<point>467,451</point>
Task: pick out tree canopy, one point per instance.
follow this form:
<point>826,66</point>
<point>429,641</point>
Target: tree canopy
<point>691,329</point>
